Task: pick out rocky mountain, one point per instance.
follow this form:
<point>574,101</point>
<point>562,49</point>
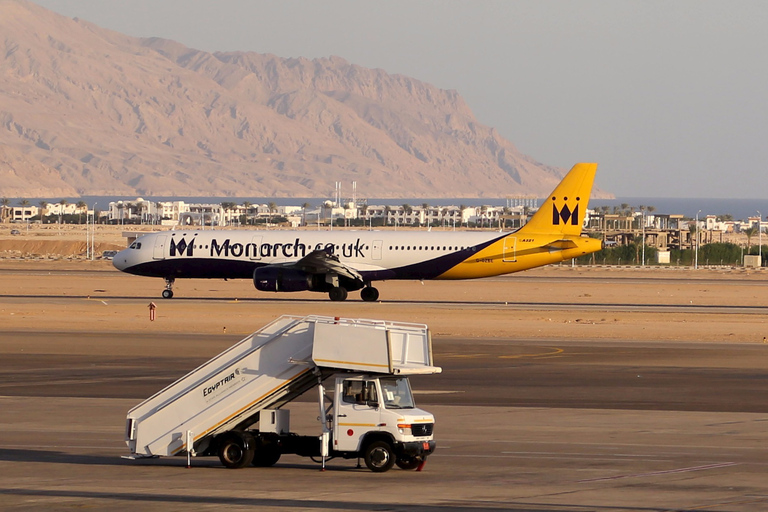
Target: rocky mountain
<point>89,111</point>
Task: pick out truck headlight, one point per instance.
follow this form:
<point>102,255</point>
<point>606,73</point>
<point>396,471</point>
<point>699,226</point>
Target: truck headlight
<point>405,429</point>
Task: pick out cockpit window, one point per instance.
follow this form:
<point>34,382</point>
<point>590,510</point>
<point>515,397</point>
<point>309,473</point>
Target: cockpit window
<point>135,245</point>
<point>397,393</point>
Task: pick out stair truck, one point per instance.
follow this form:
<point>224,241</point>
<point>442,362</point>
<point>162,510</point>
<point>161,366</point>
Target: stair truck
<point>232,406</point>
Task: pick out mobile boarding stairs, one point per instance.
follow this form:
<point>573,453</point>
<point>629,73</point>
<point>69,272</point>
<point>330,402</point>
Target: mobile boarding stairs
<point>269,369</point>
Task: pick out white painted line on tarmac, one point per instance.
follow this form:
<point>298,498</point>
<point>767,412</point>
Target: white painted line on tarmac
<point>667,472</point>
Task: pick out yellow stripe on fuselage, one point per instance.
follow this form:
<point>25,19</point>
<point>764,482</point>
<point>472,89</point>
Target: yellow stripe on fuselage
<point>552,235</point>
<point>496,259</point>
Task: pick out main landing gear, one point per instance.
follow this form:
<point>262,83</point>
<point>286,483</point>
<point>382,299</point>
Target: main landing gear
<point>168,292</point>
<point>339,293</point>
<point>369,294</point>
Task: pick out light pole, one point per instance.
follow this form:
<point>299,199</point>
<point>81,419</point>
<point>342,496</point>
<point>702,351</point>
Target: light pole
<point>760,236</point>
<point>696,230</point>
<point>93,233</point>
<point>643,212</point>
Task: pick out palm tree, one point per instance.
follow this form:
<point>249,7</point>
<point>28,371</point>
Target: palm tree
<point>4,202</point>
<point>407,210</point>
<point>228,206</point>
<point>247,205</point>
<point>80,207</point>
<point>129,207</point>
<point>43,206</point>
<point>304,207</point>
<point>750,232</point>
<point>63,203</point>
<point>272,209</point>
<point>484,215</point>
<point>120,208</point>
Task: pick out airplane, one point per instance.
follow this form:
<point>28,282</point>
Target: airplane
<point>337,262</point>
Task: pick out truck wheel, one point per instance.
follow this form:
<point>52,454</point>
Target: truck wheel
<point>236,449</point>
<point>266,455</point>
<point>406,462</point>
<point>379,456</point>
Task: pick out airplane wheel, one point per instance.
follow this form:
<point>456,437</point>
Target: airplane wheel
<point>167,294</point>
<point>338,293</point>
<point>369,294</point>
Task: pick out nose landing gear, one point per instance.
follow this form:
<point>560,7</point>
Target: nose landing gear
<point>168,292</point>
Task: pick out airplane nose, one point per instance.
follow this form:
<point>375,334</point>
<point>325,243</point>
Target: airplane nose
<point>120,260</point>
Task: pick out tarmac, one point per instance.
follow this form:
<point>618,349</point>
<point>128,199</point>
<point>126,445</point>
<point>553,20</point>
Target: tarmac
<point>545,409</point>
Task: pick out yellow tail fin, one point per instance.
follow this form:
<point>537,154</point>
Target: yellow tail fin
<point>563,211</point>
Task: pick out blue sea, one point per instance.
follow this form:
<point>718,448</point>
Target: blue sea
<point>738,208</point>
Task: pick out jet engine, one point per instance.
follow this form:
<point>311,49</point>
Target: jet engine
<point>280,279</point>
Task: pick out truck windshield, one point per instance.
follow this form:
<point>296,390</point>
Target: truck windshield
<point>397,393</point>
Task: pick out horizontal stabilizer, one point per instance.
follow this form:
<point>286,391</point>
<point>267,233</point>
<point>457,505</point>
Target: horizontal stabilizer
<point>561,245</point>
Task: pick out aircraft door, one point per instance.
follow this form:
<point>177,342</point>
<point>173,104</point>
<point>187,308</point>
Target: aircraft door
<point>376,249</point>
<point>510,249</point>
<point>356,414</point>
<point>255,248</point>
<point>158,252</point>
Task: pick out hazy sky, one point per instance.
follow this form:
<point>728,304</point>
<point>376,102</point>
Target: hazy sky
<point>670,97</point>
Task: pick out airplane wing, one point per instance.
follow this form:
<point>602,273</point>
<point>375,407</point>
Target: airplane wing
<point>322,262</point>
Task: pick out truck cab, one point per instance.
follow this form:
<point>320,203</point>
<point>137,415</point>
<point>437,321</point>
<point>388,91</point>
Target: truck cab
<point>376,416</point>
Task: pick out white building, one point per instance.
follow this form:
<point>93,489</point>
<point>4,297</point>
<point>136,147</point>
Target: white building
<point>23,213</point>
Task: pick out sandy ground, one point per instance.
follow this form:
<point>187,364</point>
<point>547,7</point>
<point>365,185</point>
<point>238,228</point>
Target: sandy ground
<point>48,285</point>
<point>557,302</point>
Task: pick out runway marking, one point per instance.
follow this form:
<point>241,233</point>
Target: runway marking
<point>742,502</point>
<point>667,472</point>
<point>556,351</point>
<point>95,299</point>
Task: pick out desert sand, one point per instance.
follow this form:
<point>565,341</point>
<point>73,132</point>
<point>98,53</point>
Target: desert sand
<point>47,284</point>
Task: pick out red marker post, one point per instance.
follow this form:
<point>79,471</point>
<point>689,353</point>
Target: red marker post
<point>152,308</point>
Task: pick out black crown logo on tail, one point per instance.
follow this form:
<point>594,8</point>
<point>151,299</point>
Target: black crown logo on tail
<point>565,214</point>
